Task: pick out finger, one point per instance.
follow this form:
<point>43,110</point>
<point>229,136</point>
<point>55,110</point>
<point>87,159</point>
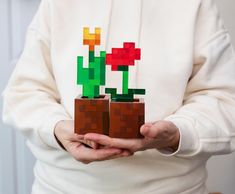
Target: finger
<point>98,138</point>
<point>76,137</point>
<point>80,138</point>
<point>126,153</point>
<point>144,128</point>
<point>129,144</point>
<point>84,154</point>
<point>149,130</point>
<point>91,144</point>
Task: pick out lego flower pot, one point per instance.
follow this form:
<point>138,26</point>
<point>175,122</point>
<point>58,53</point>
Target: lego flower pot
<point>92,115</point>
<point>126,118</point>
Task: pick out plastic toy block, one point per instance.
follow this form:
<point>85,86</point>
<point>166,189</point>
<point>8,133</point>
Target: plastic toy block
<point>120,59</point>
<point>97,36</point>
<point>123,56</point>
<point>81,72</point>
<point>137,91</point>
<point>97,42</point>
<point>102,67</point>
<point>91,39</point>
<point>86,31</point>
<point>91,56</point>
<point>97,31</point>
<point>92,73</point>
<point>92,115</point>
<point>94,76</point>
<point>125,82</point>
<point>91,47</point>
<point>123,68</point>
<point>126,119</point>
<point>129,97</point>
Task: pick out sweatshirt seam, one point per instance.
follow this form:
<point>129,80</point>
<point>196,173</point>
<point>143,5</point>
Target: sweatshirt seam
<point>217,140</point>
<point>202,140</point>
<point>42,36</point>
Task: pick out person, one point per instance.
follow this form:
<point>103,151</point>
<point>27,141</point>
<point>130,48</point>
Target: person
<point>187,68</point>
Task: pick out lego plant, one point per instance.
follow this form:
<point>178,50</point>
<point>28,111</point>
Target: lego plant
<point>93,76</point>
<point>120,59</point>
<point>91,113</point>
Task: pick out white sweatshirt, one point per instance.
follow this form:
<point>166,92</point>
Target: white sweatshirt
<point>187,69</point>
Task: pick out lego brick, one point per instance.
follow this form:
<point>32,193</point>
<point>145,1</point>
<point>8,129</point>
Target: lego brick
<point>92,73</point>
<point>102,67</point>
<point>91,39</point>
<point>82,73</point>
<point>125,82</point>
<point>119,97</point>
<point>97,42</point>
<point>137,91</point>
<point>91,56</point>
<point>123,68</point>
<point>91,115</point>
<point>91,47</point>
<point>125,56</point>
<point>123,98</point>
<point>126,118</point>
<point>97,30</point>
<point>111,91</point>
<point>85,42</point>
<point>92,77</point>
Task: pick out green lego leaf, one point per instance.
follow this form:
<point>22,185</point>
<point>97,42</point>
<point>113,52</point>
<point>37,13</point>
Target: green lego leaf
<point>112,91</point>
<point>82,73</point>
<point>123,98</point>
<point>123,68</point>
<point>137,91</point>
<point>102,67</point>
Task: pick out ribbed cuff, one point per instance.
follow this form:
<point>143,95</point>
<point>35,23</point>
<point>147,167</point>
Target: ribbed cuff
<point>46,133</point>
<point>189,140</point>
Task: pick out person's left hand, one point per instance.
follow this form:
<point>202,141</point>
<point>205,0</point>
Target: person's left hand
<point>158,135</point>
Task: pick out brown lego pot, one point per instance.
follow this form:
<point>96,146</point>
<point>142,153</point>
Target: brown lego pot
<point>92,115</point>
<point>126,118</point>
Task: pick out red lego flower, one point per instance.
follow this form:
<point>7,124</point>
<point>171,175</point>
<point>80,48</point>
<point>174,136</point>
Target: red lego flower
<point>125,56</point>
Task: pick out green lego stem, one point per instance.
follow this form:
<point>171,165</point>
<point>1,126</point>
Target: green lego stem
<point>125,75</point>
<point>129,97</point>
<point>91,56</point>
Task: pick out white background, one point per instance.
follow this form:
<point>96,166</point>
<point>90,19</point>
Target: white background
<point>16,162</point>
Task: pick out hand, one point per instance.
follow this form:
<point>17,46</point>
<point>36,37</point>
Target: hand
<point>158,135</point>
<point>74,144</point>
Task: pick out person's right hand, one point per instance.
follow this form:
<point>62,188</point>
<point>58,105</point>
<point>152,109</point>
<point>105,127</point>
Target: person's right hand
<point>75,145</point>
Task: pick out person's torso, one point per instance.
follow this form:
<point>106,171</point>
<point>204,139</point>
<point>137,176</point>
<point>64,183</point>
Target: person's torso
<point>164,30</point>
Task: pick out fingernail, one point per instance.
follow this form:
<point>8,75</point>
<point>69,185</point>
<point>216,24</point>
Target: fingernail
<point>145,129</point>
<point>126,153</point>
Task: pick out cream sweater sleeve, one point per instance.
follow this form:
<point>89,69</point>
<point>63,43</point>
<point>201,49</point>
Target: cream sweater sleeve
<point>31,100</point>
<point>206,118</point>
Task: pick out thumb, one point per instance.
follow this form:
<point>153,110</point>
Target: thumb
<point>149,130</point>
